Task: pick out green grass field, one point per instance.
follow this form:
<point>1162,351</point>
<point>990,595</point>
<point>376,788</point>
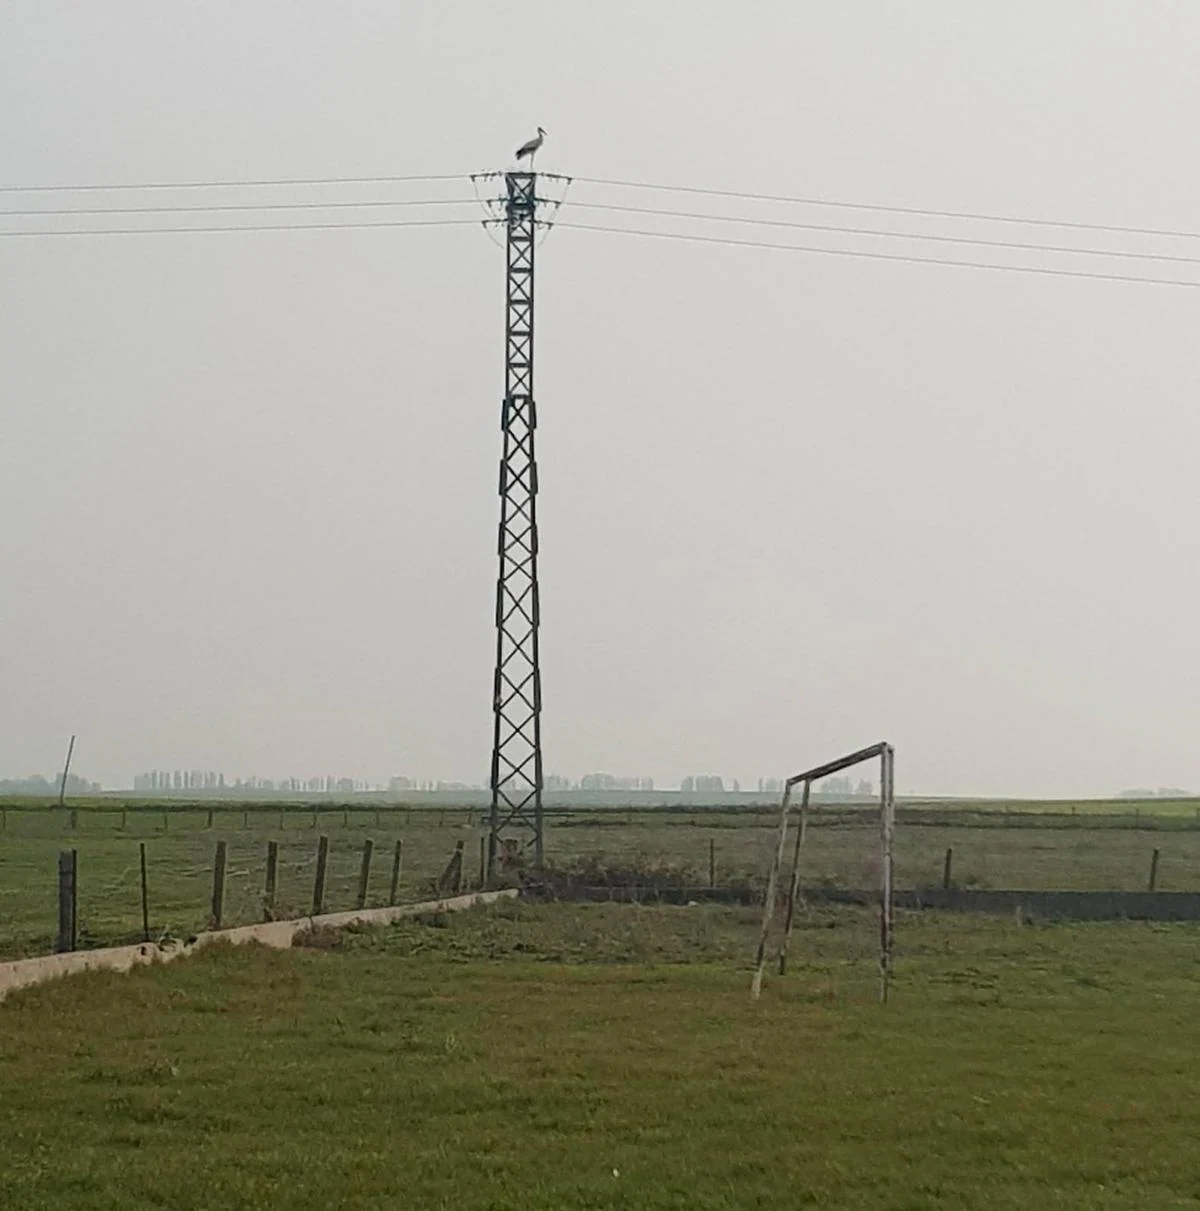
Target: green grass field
<point>994,846</point>
<point>180,850</point>
<point>606,1056</point>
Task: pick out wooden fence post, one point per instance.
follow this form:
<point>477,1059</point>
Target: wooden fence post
<point>218,887</point>
<point>712,862</point>
<point>452,877</point>
<point>272,879</point>
<point>74,819</point>
<point>145,895</point>
<point>364,874</point>
<point>946,867</point>
<point>345,817</point>
<point>165,822</point>
<point>397,859</point>
<point>124,818</point>
<point>1153,870</point>
<point>245,818</point>
<point>210,818</point>
<point>74,899</point>
<point>482,862</point>
<point>318,902</point>
<point>68,893</point>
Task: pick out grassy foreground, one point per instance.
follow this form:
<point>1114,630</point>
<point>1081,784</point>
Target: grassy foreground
<point>608,1057</point>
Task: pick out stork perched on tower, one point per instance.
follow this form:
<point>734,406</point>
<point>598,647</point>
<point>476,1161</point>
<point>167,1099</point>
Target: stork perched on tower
<point>530,149</point>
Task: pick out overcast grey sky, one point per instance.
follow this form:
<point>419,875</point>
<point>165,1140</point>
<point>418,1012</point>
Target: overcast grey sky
<point>791,504</point>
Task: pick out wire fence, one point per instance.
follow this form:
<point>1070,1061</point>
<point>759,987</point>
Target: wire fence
<point>696,848</point>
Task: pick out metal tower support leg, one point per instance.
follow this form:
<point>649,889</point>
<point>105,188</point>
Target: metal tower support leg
<point>516,776</point>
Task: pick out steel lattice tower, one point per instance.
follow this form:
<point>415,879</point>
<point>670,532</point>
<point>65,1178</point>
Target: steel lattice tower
<point>516,778</point>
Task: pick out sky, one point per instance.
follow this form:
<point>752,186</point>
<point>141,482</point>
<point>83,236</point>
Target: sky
<point>791,503</point>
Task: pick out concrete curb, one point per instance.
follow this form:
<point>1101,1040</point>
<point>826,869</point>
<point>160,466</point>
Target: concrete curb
<point>280,935</point>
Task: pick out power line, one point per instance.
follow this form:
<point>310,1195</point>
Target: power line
<point>882,256</point>
<point>247,227</point>
<point>432,202</point>
<point>926,212</point>
<point>911,210</point>
<point>903,235</point>
<point>243,206</point>
<point>230,184</point>
<point>345,226</point>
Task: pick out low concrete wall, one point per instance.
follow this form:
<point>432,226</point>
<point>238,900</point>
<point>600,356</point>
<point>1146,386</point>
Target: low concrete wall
<point>279,935</point>
<point>1073,905</point>
<point>1068,905</point>
<point>1076,905</point>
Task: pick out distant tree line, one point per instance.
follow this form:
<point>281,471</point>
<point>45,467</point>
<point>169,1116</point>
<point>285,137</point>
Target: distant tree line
<point>39,785</point>
<point>846,787</point>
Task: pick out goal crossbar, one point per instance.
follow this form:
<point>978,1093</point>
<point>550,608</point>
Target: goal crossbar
<point>839,764</point>
<point>887,827</point>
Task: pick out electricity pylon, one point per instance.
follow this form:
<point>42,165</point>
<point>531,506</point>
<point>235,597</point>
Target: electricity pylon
<point>516,778</point>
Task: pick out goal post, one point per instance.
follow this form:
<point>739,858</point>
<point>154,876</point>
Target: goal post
<point>887,828</point>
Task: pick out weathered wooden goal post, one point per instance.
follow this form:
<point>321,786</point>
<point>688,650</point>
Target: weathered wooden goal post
<point>887,896</point>
<point>887,829</point>
<point>794,890</point>
<point>772,892</point>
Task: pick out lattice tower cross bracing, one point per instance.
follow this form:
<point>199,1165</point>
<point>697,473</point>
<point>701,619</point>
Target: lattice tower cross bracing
<point>516,774</point>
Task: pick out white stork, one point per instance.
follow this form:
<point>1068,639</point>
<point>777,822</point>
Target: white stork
<point>530,149</point>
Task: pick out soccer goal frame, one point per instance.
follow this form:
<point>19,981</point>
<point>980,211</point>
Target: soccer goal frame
<point>887,829</point>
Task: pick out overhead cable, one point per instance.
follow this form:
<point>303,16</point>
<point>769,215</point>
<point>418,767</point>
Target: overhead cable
<point>880,256</point>
<point>50,234</point>
<point>212,208</point>
<point>228,184</point>
<point>903,235</point>
<point>890,209</point>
